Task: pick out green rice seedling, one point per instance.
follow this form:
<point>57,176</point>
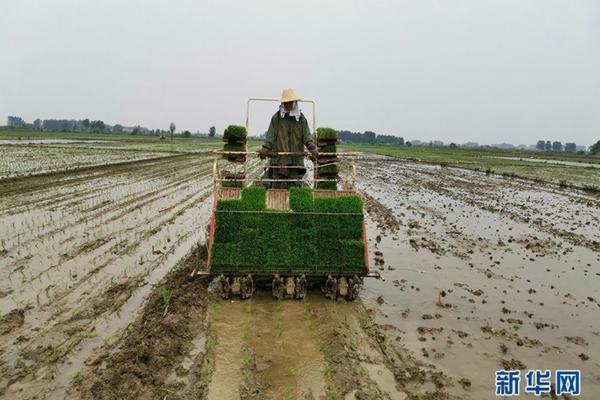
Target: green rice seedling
<point>245,240</point>
<point>350,341</point>
<point>289,371</point>
<point>55,352</point>
<point>254,198</point>
<point>327,371</point>
<point>205,369</point>
<point>326,170</point>
<point>307,310</point>
<point>333,395</point>
<point>234,147</point>
<point>326,185</point>
<point>301,200</point>
<point>329,148</point>
<point>235,134</point>
<point>362,371</point>
<point>326,133</point>
<point>353,253</point>
<point>77,375</point>
<point>247,333</point>
<point>210,345</point>
<point>166,296</point>
<point>347,226</point>
<point>246,359</point>
<point>19,361</point>
<point>239,184</point>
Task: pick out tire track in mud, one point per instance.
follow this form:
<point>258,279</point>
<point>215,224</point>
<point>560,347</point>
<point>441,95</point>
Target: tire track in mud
<point>266,349</point>
<point>207,348</point>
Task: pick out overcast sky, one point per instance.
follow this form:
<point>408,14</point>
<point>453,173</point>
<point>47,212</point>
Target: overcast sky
<point>465,70</point>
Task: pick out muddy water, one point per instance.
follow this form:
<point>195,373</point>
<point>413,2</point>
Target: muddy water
<point>229,322</point>
<point>485,273</point>
<point>480,271</point>
<point>88,249</point>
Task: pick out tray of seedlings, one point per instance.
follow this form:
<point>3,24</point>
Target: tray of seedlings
<point>235,137</point>
<point>328,162</point>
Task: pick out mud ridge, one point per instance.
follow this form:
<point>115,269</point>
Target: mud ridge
<point>158,340</point>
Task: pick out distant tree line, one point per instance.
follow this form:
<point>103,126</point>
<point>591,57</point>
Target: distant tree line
<point>595,148</point>
<point>547,145</point>
<point>369,137</point>
<point>99,126</point>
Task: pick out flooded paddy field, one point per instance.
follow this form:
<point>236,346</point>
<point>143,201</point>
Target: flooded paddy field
<point>485,273</point>
<point>482,273</point>
<point>35,159</point>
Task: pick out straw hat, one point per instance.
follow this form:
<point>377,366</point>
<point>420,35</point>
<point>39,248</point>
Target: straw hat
<point>288,95</point>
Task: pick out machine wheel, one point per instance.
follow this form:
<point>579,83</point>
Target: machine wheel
<point>353,287</point>
<point>343,286</point>
<point>246,287</point>
<point>224,287</point>
<point>278,287</point>
<point>331,288</point>
<point>300,287</point>
<point>290,288</point>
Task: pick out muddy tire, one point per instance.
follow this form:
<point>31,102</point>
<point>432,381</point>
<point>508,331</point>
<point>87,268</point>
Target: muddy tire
<point>330,289</point>
<point>300,287</point>
<point>224,287</point>
<point>353,288</point>
<point>278,287</point>
<point>247,287</point>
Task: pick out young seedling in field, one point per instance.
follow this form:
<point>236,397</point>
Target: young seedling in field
<point>327,371</point>
<point>77,375</point>
<point>350,341</point>
<point>362,371</point>
<point>205,369</point>
<point>216,308</point>
<point>307,310</point>
<point>166,297</point>
<point>247,333</point>
<point>333,395</point>
<point>55,354</point>
<point>92,334</point>
<point>19,361</point>
<point>246,359</point>
<point>289,371</point>
<point>210,344</point>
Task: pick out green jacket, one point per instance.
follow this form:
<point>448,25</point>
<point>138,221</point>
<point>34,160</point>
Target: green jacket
<point>288,135</point>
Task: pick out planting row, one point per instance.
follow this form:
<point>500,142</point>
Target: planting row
<point>24,160</point>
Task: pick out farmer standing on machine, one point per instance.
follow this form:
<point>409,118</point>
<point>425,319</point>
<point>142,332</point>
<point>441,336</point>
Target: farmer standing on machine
<point>288,133</point>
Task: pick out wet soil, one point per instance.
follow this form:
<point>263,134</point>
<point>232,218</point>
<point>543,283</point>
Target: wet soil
<point>485,272</point>
<point>481,273</point>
